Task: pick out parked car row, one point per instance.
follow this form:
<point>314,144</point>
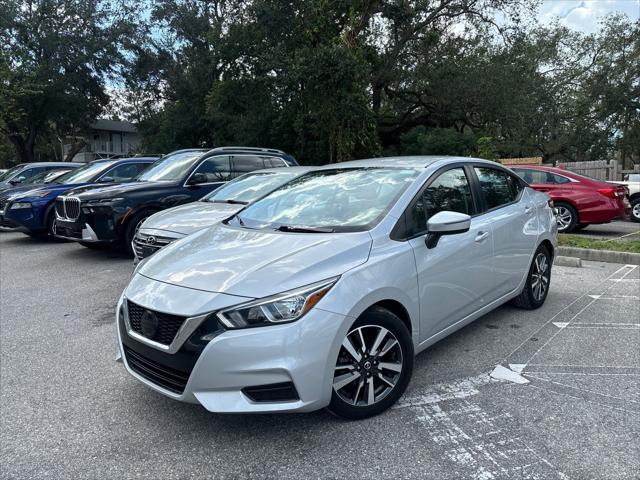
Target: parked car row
<point>263,286</point>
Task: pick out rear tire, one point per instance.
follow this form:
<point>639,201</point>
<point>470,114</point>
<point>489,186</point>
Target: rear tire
<point>635,210</point>
<point>536,288</point>
<point>567,217</point>
<point>371,377</point>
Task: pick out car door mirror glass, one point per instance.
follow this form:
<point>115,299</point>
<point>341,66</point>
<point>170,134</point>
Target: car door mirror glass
<point>197,178</point>
<point>446,223</point>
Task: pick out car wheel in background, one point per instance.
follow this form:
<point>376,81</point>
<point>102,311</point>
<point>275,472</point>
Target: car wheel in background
<point>374,365</point>
<point>536,289</point>
<point>635,210</point>
<point>132,228</point>
<point>566,216</point>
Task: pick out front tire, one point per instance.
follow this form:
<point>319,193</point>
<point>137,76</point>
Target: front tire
<point>374,365</point>
<point>635,210</point>
<point>536,289</point>
<point>567,217</point>
<point>132,228</point>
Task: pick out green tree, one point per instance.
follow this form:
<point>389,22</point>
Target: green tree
<point>54,58</point>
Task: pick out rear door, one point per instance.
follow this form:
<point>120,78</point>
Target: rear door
<point>512,215</point>
<point>456,275</point>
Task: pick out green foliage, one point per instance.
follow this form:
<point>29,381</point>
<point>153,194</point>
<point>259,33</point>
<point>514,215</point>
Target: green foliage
<point>486,148</point>
<point>435,141</point>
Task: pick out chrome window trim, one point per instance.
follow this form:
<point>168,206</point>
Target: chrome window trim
<point>231,171</point>
<point>189,326</point>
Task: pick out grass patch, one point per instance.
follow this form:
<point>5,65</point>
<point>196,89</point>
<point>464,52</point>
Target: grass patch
<point>567,240</point>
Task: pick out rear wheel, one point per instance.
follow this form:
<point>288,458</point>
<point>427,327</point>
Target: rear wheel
<point>567,217</point>
<point>536,289</point>
<point>374,365</point>
<point>635,210</point>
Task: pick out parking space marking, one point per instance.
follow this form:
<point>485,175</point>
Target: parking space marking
<point>529,348</point>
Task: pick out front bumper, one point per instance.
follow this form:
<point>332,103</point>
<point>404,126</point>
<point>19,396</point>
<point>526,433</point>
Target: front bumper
<point>149,240</point>
<point>301,353</point>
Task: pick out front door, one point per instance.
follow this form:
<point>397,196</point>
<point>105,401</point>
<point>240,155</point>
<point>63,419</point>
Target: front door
<point>454,277</point>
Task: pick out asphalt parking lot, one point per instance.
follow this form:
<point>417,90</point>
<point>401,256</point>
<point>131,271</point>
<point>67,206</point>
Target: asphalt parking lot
<point>617,230</point>
<point>564,403</point>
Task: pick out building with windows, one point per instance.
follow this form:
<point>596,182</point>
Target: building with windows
<point>105,139</point>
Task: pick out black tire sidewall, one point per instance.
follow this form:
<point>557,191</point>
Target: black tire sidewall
<point>634,202</point>
<point>130,231</point>
<point>538,303</point>
<point>384,318</point>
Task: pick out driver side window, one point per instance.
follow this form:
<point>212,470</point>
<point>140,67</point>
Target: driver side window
<point>216,169</point>
<point>449,191</point>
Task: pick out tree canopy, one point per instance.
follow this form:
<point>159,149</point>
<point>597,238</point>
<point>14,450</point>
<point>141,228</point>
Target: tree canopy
<point>327,80</point>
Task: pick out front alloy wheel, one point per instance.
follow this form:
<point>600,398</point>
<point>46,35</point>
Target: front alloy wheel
<point>373,367</point>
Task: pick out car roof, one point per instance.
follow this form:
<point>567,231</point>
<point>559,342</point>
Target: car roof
<point>417,161</point>
<point>49,164</point>
<point>294,169</point>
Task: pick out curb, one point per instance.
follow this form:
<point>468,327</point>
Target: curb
<point>609,256</point>
<point>563,261</point>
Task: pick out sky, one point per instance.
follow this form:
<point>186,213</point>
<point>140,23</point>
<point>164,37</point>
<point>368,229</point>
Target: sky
<point>583,15</point>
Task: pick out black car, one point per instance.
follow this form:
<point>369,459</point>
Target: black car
<point>111,215</point>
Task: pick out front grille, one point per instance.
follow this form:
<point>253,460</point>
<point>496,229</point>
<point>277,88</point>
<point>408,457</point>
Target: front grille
<point>68,208</point>
<point>60,207</point>
<point>156,326</point>
<point>166,377</point>
<point>144,247</point>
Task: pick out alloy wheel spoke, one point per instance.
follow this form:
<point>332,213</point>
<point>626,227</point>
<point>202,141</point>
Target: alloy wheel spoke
<point>371,394</point>
<point>392,342</point>
<point>394,367</point>
<point>382,377</point>
<point>376,344</point>
<point>360,385</point>
<point>344,380</point>
<point>363,345</point>
<point>348,346</point>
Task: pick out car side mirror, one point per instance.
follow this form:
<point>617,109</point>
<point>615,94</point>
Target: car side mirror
<point>106,180</point>
<point>17,180</point>
<point>197,178</point>
<point>446,223</point>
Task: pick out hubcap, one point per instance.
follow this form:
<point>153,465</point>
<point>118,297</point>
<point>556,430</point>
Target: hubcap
<point>564,218</point>
<point>636,210</point>
<point>369,365</point>
<point>540,276</point>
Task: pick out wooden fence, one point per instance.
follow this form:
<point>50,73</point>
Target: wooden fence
<point>605,170</point>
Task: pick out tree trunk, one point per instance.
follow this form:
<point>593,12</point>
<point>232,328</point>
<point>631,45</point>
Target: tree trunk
<point>24,150</point>
<point>75,148</point>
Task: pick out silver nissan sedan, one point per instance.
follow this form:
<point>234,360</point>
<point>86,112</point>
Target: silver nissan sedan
<point>321,293</point>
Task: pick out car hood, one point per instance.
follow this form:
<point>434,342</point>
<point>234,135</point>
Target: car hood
<point>54,189</point>
<point>191,217</point>
<point>112,191</point>
<point>255,263</point>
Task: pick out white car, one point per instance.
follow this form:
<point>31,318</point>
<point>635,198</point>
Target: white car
<point>164,227</point>
<point>320,293</point>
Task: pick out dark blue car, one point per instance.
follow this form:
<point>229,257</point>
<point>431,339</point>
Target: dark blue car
<point>32,211</point>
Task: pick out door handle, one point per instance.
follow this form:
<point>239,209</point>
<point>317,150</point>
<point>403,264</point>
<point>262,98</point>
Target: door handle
<point>528,209</point>
<point>481,236</point>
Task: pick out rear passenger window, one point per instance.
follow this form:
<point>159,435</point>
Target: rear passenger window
<point>450,191</point>
<point>246,163</point>
<point>498,187</point>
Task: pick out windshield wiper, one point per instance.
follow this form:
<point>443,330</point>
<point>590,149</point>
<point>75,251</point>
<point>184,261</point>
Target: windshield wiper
<point>303,229</point>
<point>233,202</point>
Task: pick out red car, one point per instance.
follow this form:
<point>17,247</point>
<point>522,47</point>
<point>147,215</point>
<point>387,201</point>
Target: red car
<point>579,200</point>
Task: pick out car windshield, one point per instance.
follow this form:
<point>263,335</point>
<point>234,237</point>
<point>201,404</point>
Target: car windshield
<point>46,176</point>
<point>247,188</point>
<point>335,200</point>
<point>84,174</point>
<point>170,168</point>
<point>10,173</point>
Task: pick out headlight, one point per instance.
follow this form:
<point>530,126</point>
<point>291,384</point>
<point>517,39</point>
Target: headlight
<point>18,205</point>
<point>282,308</point>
